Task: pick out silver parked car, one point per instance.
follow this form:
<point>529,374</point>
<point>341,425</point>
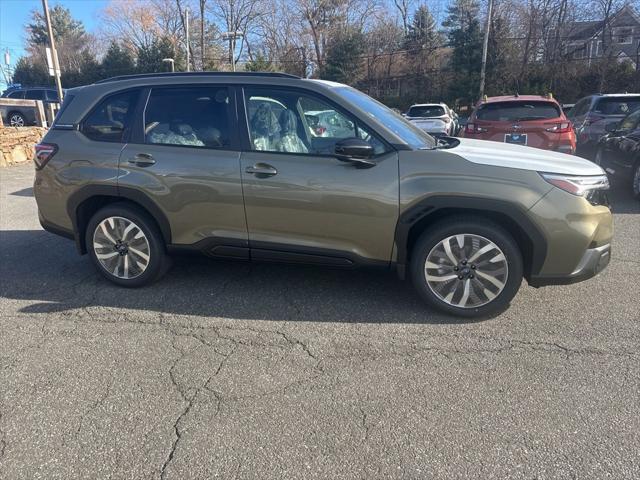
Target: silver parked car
<point>433,118</point>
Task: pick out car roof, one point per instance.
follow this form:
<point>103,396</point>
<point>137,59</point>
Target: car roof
<point>518,98</point>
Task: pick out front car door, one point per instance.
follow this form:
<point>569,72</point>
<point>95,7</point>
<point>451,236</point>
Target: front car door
<point>302,203</point>
<point>184,156</point>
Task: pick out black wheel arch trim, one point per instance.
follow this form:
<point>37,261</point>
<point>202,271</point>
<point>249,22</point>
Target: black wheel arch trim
<point>431,206</point>
<point>122,193</point>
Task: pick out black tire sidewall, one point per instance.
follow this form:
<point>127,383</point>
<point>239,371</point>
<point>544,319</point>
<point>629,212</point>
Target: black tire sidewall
<point>157,252</point>
<point>487,229</point>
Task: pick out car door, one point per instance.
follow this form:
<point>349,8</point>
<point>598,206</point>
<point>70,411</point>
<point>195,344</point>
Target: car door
<point>624,142</point>
<point>302,203</point>
<point>183,155</point>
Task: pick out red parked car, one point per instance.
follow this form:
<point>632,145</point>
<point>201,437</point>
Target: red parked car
<point>531,120</point>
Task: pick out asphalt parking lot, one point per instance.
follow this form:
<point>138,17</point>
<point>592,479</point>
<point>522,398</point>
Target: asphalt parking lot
<point>230,370</point>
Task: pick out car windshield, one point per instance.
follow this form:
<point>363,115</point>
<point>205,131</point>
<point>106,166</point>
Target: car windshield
<point>426,111</point>
<point>410,134</point>
<point>617,105</point>
<point>517,111</point>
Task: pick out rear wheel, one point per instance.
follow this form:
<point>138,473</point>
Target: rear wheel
<point>16,119</point>
<point>467,267</point>
<point>126,245</point>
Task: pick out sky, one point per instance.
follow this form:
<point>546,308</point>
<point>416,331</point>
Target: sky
<point>16,14</point>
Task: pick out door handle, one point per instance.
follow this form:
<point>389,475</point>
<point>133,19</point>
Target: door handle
<point>142,160</point>
<point>262,170</point>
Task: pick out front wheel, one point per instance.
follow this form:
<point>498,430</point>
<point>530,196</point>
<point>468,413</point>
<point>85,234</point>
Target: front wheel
<point>126,245</point>
<point>467,267</point>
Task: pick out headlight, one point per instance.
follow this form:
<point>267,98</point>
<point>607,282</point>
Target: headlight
<point>577,185</point>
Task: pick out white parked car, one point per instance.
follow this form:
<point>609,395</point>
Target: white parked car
<point>434,118</point>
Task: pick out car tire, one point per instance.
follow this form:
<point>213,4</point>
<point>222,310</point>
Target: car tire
<point>635,185</point>
<point>481,252</point>
<point>16,119</point>
<point>126,245</point>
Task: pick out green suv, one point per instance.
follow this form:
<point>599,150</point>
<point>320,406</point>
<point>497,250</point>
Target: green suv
<point>276,168</point>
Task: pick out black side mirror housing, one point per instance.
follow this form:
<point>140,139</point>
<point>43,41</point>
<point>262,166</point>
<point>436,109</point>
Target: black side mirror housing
<point>355,151</point>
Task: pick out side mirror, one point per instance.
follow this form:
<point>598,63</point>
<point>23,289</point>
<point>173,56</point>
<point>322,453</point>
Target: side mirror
<point>611,127</point>
<point>355,151</point>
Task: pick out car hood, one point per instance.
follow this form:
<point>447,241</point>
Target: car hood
<point>525,158</point>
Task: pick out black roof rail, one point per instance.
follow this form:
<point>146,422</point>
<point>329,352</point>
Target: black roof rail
<point>196,74</point>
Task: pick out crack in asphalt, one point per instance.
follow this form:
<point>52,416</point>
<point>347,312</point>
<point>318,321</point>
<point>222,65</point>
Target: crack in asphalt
<point>364,424</point>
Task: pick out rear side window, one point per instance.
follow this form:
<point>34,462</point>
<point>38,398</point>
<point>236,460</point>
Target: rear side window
<point>34,95</point>
<point>426,111</point>
<point>188,116</point>
<point>518,111</point>
<point>16,94</point>
<point>108,121</point>
<point>52,95</point>
<point>617,105</point>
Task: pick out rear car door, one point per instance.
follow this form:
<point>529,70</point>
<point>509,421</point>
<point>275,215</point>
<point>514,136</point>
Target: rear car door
<point>183,155</point>
<point>302,203</point>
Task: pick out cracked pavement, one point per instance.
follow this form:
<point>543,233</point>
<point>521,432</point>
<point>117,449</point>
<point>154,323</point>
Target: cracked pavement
<point>230,370</point>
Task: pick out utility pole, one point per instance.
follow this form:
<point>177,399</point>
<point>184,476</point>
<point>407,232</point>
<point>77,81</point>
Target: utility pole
<point>232,36</point>
<point>485,47</point>
<point>186,14</point>
<point>54,53</point>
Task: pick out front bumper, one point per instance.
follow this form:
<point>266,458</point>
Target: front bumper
<point>593,262</point>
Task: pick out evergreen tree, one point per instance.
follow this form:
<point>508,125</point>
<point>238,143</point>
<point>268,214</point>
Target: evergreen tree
<point>260,63</point>
<point>422,33</point>
<point>117,61</point>
<point>465,39</point>
<point>342,60</point>
<point>29,73</point>
<point>150,58</point>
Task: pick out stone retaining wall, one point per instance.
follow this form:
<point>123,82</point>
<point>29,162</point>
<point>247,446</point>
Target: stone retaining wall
<point>16,144</point>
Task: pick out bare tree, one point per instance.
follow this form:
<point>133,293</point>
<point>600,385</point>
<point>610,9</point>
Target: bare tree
<point>404,9</point>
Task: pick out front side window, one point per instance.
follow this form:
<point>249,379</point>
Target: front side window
<point>108,121</point>
<point>188,116</point>
<point>517,111</point>
<point>16,94</point>
<point>294,122</point>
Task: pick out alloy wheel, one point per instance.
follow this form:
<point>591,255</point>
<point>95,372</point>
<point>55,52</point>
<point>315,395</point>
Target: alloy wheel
<point>466,270</point>
<point>121,247</point>
<point>16,120</point>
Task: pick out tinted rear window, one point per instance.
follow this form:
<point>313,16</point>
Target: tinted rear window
<point>617,105</point>
<point>517,111</point>
<point>428,111</point>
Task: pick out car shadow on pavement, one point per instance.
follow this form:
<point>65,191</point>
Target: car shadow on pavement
<point>25,192</point>
<point>46,270</point>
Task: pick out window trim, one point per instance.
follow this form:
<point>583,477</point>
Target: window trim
<point>357,121</point>
<point>128,122</point>
<point>138,137</point>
